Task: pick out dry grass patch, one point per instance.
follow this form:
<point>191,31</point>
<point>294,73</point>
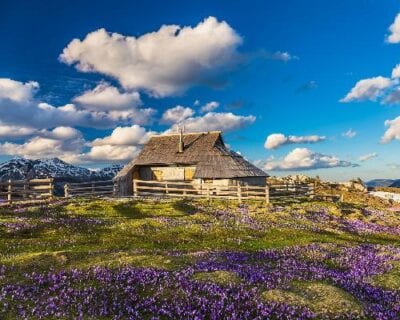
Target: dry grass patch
<point>321,298</point>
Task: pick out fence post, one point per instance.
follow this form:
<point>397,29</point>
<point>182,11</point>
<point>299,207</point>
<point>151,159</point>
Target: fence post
<point>24,195</point>
<point>66,190</point>
<point>135,193</point>
<point>239,193</point>
<point>208,192</point>
<point>166,188</point>
<point>9,196</point>
<point>93,188</point>
<point>266,194</point>
<point>51,188</point>
<point>115,189</point>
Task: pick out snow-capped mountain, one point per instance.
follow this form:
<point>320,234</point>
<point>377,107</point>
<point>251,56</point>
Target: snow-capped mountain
<point>20,169</point>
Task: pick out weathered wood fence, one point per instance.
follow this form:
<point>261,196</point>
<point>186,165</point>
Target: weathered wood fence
<point>22,190</point>
<point>90,189</point>
<point>209,191</point>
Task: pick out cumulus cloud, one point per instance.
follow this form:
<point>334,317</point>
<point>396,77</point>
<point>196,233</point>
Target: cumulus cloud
<point>368,89</point>
<point>17,91</point>
<point>393,130</point>
<point>349,134</point>
<point>164,62</point>
<point>215,121</point>
<point>210,106</point>
<point>276,140</point>
<point>122,145</point>
<point>68,144</point>
<point>105,153</point>
<point>394,29</point>
<point>176,115</point>
<point>368,156</point>
<point>63,142</point>
<point>11,131</point>
<point>396,72</point>
<point>105,97</point>
<point>125,136</point>
<point>19,107</point>
<point>306,159</point>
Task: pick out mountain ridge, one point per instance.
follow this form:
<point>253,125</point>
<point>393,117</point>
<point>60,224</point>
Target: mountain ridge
<point>22,169</point>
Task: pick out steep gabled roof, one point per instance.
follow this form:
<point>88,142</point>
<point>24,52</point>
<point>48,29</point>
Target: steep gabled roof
<point>206,150</point>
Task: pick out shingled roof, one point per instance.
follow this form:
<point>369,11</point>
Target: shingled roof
<point>206,150</point>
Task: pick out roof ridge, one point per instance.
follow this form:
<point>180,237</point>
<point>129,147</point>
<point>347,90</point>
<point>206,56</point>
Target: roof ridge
<point>185,133</point>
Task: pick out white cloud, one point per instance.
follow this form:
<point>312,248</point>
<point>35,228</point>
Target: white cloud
<point>394,36</point>
<point>69,145</point>
<point>305,159</point>
<point>396,72</point>
<point>125,136</point>
<point>17,91</point>
<point>165,62</point>
<point>12,131</point>
<point>176,115</point>
<point>393,131</point>
<point>18,107</point>
<point>349,134</point>
<point>210,106</point>
<point>105,153</point>
<point>63,142</point>
<point>276,140</point>
<point>105,97</point>
<point>368,89</point>
<point>215,121</point>
<point>368,156</point>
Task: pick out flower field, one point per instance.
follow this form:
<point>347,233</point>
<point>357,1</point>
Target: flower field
<point>105,259</point>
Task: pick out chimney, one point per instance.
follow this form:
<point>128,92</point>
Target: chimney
<point>180,145</point>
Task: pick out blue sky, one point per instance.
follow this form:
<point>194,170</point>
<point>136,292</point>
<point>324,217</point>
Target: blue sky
<point>270,67</point>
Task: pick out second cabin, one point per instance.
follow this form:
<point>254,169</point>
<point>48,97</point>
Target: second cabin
<point>199,158</point>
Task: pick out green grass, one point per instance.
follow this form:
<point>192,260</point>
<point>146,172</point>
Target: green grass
<point>143,233</point>
<point>389,280</point>
<point>321,298</point>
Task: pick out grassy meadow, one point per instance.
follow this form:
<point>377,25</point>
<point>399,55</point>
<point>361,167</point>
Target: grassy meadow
<point>184,259</point>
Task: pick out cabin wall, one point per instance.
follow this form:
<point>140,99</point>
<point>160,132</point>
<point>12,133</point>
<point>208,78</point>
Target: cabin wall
<point>167,173</point>
<point>125,187</point>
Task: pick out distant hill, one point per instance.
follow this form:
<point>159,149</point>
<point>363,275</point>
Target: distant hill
<point>381,182</point>
<point>20,169</point>
<point>395,184</point>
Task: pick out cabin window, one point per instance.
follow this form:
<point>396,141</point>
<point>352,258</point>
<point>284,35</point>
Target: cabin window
<point>189,173</point>
<point>158,175</point>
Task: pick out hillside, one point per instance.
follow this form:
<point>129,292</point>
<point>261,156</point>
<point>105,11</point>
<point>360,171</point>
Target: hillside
<point>180,259</point>
<point>380,183</point>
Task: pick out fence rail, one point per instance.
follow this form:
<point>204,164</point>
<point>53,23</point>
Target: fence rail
<point>90,188</point>
<point>22,190</point>
<point>238,192</point>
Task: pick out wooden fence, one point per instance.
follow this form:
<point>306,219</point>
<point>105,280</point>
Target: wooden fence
<point>237,192</point>
<point>23,190</point>
<point>90,189</point>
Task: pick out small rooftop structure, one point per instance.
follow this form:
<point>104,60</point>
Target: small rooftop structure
<point>200,157</point>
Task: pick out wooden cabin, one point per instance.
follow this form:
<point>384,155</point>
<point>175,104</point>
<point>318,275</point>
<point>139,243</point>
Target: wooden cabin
<point>199,158</point>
